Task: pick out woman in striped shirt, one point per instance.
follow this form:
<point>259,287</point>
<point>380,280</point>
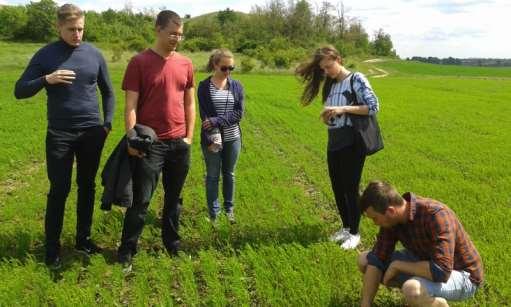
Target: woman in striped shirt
<point>345,156</point>
<point>221,109</point>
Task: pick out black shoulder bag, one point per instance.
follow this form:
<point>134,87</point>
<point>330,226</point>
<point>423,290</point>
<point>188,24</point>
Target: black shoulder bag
<point>368,131</point>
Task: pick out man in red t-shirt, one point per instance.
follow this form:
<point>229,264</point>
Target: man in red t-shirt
<point>159,88</point>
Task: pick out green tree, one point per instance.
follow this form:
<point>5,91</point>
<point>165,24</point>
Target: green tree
<point>41,20</point>
<point>357,38</point>
<point>13,20</point>
<point>323,21</point>
<point>382,44</point>
<point>226,17</point>
<point>299,26</point>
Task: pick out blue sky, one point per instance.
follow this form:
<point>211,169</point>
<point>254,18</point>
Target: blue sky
<point>442,28</point>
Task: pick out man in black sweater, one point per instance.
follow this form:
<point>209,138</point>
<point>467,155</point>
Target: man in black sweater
<point>70,71</point>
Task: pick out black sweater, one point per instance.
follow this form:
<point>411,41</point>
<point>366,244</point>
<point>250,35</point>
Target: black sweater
<point>70,106</point>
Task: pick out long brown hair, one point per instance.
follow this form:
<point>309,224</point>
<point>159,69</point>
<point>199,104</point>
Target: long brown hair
<point>312,75</point>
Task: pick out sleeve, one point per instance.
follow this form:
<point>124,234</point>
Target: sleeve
<point>107,93</point>
<point>32,80</point>
<point>233,117</point>
<point>190,78</point>
<point>132,79</point>
<point>365,93</point>
<point>201,97</point>
<point>385,244</point>
<point>442,253</point>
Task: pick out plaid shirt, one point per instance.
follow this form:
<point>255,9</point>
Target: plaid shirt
<point>433,233</point>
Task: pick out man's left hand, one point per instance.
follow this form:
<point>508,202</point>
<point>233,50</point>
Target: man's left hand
<point>187,141</point>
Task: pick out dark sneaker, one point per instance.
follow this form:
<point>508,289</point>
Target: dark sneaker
<point>53,262</point>
<point>230,217</point>
<point>125,259</point>
<point>87,247</point>
<point>173,249</point>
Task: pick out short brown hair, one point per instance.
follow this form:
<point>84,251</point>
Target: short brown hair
<point>379,195</point>
<point>68,12</point>
<point>166,16</point>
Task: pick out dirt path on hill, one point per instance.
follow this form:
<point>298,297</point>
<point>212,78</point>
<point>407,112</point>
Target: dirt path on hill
<point>382,73</point>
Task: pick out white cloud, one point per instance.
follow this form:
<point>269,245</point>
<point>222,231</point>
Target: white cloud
<point>444,28</point>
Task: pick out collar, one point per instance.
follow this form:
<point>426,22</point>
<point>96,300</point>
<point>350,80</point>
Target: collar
<point>67,46</point>
<point>412,205</point>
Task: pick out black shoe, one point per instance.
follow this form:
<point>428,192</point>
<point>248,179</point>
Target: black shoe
<point>125,259</point>
<point>53,262</point>
<point>173,249</point>
<point>88,247</point>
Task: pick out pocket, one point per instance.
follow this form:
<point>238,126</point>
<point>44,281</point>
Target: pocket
<point>182,144</point>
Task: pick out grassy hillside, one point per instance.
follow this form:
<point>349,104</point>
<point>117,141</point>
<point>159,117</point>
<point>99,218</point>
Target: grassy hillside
<point>446,137</point>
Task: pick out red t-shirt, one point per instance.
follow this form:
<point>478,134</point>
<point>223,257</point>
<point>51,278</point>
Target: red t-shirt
<point>161,84</point>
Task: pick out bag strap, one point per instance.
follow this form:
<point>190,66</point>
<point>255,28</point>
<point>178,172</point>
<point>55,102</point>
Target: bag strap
<point>353,93</point>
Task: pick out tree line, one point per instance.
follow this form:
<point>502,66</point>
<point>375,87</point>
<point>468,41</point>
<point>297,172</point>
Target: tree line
<point>277,33</point>
<point>468,62</point>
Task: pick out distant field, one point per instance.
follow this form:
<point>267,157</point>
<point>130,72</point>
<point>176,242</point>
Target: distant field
<point>418,68</point>
<point>446,137</point>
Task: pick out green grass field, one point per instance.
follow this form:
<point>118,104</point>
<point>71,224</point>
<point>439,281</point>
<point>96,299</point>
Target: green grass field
<point>409,68</point>
<point>446,137</point>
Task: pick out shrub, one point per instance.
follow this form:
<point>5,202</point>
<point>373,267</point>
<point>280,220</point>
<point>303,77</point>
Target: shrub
<point>281,59</point>
<point>137,44</point>
<point>117,51</point>
<point>247,64</point>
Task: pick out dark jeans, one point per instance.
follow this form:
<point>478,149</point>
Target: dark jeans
<point>172,158</point>
<point>345,169</point>
<point>61,148</point>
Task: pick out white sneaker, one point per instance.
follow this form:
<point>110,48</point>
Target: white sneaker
<point>340,236</point>
<point>352,242</point>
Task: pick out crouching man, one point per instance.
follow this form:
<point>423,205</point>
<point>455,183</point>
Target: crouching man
<point>439,262</point>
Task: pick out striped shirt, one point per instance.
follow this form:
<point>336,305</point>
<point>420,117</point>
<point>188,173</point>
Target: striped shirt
<point>433,233</point>
<point>340,93</point>
<point>223,100</point>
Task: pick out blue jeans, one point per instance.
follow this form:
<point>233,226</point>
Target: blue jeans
<point>457,287</point>
<point>224,160</point>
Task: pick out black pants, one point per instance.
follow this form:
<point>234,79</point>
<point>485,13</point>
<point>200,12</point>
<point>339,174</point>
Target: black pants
<point>345,169</point>
<point>61,148</point>
<point>172,158</point>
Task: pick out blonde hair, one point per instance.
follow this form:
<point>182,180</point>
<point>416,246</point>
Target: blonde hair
<point>216,56</point>
<point>68,12</point>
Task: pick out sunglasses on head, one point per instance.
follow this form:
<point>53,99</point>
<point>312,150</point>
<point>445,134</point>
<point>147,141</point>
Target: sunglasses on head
<point>226,68</point>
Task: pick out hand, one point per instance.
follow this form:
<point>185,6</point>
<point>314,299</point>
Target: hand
<point>330,112</point>
<point>61,76</point>
<point>206,124</point>
<point>391,272</point>
<point>187,141</point>
<point>134,152</point>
